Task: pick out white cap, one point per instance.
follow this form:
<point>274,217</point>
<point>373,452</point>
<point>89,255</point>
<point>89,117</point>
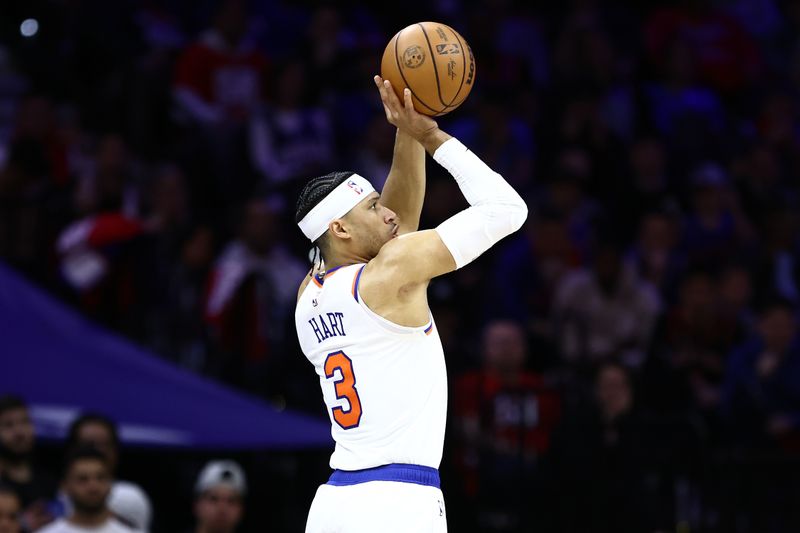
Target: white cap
<point>130,503</point>
<point>221,473</point>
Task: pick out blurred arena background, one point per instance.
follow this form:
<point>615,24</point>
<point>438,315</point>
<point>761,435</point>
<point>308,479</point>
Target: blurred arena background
<point>628,362</point>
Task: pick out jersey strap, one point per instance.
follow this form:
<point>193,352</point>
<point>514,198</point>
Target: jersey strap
<point>404,473</point>
<point>356,281</point>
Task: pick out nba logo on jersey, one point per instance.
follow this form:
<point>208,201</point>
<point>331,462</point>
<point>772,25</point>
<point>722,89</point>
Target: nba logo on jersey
<point>353,185</point>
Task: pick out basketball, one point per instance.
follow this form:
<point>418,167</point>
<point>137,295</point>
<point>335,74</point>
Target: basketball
<point>432,60</point>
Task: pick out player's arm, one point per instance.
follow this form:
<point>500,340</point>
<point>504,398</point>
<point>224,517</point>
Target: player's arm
<point>402,269</point>
<point>496,210</point>
<point>404,190</point>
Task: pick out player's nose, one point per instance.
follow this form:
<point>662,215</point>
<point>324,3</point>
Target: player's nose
<point>389,216</point>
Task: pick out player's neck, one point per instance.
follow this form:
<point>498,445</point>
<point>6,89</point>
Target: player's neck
<point>343,260</point>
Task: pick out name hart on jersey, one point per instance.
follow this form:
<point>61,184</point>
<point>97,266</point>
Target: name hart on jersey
<point>329,325</point>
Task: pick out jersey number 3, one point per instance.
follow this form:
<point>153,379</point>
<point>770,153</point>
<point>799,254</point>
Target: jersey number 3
<point>345,388</point>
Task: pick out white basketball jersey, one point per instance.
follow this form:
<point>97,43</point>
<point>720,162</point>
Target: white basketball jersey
<point>385,385</point>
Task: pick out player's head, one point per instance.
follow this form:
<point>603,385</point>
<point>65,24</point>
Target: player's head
<point>341,212</point>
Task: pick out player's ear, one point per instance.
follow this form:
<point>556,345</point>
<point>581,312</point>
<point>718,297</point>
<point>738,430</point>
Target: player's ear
<point>339,229</point>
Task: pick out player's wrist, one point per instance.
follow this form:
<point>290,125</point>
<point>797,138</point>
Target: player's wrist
<point>433,139</point>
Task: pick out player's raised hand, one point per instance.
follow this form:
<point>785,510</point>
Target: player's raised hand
<point>402,114</point>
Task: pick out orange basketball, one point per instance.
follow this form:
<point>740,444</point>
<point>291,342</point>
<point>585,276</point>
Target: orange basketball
<point>432,60</point>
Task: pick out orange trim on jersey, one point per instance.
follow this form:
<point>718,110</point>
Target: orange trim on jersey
<point>429,329</point>
<point>316,281</point>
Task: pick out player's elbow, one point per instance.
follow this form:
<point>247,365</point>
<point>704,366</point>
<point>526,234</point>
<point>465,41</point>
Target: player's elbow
<point>517,214</point>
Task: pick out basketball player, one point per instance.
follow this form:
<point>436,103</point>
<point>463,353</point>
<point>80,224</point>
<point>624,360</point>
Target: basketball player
<point>365,325</point>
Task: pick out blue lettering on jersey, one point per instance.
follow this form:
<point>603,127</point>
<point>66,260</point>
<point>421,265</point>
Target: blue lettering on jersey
<point>336,323</point>
<point>322,329</point>
<point>317,332</point>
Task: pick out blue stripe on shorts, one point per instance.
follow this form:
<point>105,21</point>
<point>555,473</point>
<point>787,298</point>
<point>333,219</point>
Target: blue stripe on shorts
<point>404,473</point>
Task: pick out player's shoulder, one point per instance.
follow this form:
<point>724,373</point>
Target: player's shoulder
<point>400,253</point>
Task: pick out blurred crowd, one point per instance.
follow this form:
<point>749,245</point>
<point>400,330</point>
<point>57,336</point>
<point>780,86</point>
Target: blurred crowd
<point>86,494</point>
<point>628,361</point>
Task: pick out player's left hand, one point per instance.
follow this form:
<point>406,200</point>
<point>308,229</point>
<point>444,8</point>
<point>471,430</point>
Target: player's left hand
<point>402,114</point>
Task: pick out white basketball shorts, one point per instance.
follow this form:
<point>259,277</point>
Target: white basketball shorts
<point>386,499</point>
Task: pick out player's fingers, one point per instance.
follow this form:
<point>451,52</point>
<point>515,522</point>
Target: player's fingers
<point>381,87</point>
<point>391,95</point>
<point>388,112</point>
<point>409,104</point>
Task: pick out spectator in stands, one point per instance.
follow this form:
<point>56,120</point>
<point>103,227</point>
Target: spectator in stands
<point>182,334</point>
<point>736,298</point>
<point>105,256</point>
<point>647,186</point>
<point>10,511</point>
<point>604,467</point>
<point>34,485</point>
<point>778,263</point>
<point>34,176</point>
<point>220,80</point>
<point>760,177</point>
<point>219,497</point>
<point>251,296</point>
<point>110,182</point>
<point>87,483</point>
<point>503,415</point>
<point>761,395</point>
<point>506,139</point>
<point>656,255</point>
<point>605,311</point>
<point>716,229</point>
<point>727,56</point>
<point>541,254</point>
<point>693,338</point>
<point>687,114</point>
<point>567,195</point>
<point>292,137</point>
<point>127,501</point>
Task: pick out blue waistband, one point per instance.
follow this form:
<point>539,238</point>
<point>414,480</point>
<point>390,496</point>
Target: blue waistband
<point>420,475</point>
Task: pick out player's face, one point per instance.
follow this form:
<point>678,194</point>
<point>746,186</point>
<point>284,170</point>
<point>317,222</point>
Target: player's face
<point>9,514</point>
<point>219,509</point>
<point>16,431</point>
<point>372,224</point>
<point>88,484</point>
